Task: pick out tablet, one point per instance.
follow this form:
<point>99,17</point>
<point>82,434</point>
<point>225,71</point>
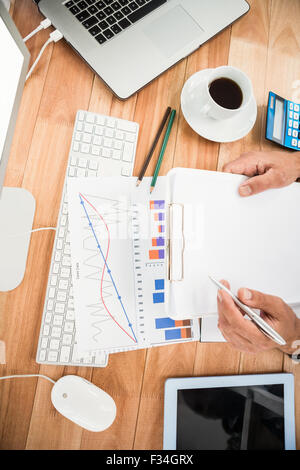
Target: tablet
<point>230,413</point>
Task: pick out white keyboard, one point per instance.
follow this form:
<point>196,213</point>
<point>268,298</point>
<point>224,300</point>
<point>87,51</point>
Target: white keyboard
<point>101,146</point>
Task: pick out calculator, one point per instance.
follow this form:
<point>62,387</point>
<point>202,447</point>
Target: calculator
<point>283,124</point>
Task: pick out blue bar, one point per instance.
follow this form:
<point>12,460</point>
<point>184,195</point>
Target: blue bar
<point>164,323</point>
<point>173,334</point>
<point>158,298</point>
<point>159,284</point>
<point>160,241</point>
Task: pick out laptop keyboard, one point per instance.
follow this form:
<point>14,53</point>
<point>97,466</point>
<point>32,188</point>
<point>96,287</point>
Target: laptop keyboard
<point>105,19</point>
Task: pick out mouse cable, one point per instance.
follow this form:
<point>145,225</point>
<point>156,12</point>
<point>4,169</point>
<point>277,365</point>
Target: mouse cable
<point>43,25</point>
<point>27,375</point>
<point>32,231</point>
<point>55,36</point>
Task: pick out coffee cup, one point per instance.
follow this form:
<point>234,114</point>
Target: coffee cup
<point>225,92</point>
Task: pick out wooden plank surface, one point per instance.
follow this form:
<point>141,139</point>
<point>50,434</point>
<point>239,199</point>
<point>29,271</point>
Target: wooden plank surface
<point>265,45</point>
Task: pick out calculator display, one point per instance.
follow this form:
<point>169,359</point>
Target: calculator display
<point>278,119</point>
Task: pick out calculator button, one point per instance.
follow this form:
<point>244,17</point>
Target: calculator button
<point>299,144</point>
<point>296,125</point>
<point>296,116</point>
<point>291,106</point>
<point>290,123</point>
<point>294,142</point>
<point>295,133</point>
<point>291,114</point>
<point>290,132</point>
<point>296,108</point>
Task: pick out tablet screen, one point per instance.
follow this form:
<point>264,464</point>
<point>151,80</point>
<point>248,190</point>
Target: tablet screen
<point>232,418</point>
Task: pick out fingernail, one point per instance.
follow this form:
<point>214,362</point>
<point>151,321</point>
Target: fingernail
<point>247,294</point>
<point>219,296</point>
<point>245,190</point>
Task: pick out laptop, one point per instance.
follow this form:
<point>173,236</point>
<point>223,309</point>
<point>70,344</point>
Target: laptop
<point>128,43</point>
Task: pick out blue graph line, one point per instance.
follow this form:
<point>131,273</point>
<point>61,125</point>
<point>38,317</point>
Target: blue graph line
<point>105,262</point>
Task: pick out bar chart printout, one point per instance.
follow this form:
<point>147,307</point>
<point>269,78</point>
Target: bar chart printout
<point>152,263</point>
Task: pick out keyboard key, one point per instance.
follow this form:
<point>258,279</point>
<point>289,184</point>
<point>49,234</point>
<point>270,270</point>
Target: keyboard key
<point>54,344</point>
<point>101,15</point>
<point>56,332</point>
<point>94,30</point>
<point>90,22</point>
<point>110,122</point>
<point>130,137</point>
<point>42,355</point>
<point>87,138</point>
<point>46,330</point>
<point>70,315</point>
<point>52,356</point>
<point>67,339</point>
<point>96,150</point>
<point>126,11</point>
<point>116,6</point>
<point>99,130</point>
<point>124,23</point>
<point>100,5</point>
<point>83,15</point>
<point>108,11</point>
<point>65,354</point>
<point>82,5</point>
<point>88,127</point>
<point>128,152</point>
<point>103,25</point>
<point>145,10</point>
<point>74,10</point>
<point>93,9</point>
<point>111,20</point>
<point>133,6</point>
<point>125,171</point>
<point>69,327</point>
<point>69,4</point>
<point>119,15</point>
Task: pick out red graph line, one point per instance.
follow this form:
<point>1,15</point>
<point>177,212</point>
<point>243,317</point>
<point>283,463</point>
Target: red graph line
<point>105,264</point>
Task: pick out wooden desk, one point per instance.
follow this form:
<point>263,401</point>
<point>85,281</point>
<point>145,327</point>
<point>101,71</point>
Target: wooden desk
<point>265,44</point>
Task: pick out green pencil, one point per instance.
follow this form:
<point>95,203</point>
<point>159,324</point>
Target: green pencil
<point>163,148</point>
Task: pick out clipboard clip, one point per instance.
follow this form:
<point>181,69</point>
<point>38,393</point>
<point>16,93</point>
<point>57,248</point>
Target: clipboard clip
<point>176,242</point>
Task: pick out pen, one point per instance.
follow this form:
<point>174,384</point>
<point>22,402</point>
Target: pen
<point>149,156</point>
<point>263,326</point>
<point>163,148</point>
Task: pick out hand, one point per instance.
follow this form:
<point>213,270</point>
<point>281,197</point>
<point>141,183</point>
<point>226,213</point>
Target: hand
<point>266,170</point>
<point>243,334</point>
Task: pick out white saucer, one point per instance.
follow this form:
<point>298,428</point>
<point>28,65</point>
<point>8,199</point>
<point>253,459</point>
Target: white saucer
<point>226,130</point>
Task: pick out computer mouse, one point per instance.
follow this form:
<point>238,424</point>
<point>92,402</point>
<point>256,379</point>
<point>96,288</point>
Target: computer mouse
<point>83,403</point>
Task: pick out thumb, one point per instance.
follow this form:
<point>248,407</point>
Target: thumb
<point>260,183</point>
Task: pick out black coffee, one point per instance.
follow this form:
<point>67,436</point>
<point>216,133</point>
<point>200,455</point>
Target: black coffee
<point>226,93</point>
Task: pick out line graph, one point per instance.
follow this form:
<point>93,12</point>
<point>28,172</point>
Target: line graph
<point>104,255</point>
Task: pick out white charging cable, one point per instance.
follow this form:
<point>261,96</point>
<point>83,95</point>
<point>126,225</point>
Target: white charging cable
<point>32,231</point>
<point>43,25</point>
<point>55,36</point>
<point>27,375</point>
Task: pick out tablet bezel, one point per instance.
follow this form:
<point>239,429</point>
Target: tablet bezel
<point>175,384</point>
